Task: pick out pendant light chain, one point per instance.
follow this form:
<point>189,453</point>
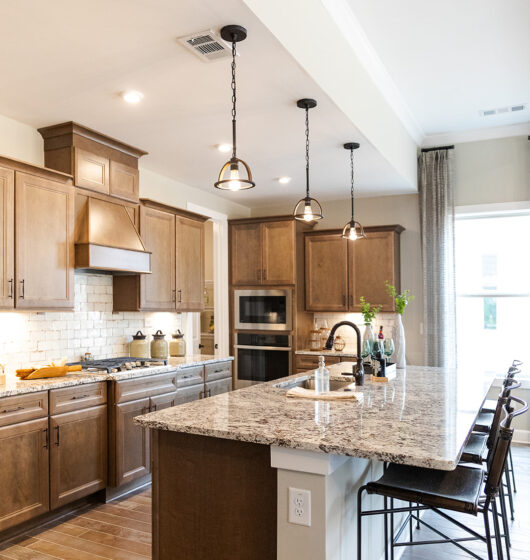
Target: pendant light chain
<point>307,152</point>
<point>352,183</point>
<point>234,99</point>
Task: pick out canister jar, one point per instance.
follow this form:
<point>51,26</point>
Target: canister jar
<point>159,346</point>
<point>139,348</point>
<point>177,346</point>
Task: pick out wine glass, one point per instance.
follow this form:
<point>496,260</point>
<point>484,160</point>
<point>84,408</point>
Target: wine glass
<point>388,347</point>
<point>366,349</point>
<point>378,350</point>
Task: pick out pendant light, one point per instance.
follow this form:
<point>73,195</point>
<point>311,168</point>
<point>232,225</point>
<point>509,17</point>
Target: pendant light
<point>352,230</point>
<point>307,209</point>
<point>235,175</point>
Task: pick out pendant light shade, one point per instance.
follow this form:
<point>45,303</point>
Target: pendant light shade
<point>352,230</point>
<point>235,175</point>
<point>307,209</point>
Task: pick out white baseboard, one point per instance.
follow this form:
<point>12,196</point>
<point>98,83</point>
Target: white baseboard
<point>521,436</point>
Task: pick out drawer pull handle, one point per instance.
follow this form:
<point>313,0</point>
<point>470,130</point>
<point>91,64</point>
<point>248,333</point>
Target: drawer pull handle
<point>75,397</point>
<point>10,410</point>
<point>11,288</point>
<point>58,438</point>
<point>47,438</point>
<point>23,290</point>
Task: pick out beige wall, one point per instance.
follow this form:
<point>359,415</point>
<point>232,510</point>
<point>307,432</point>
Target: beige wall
<point>20,141</point>
<point>492,171</point>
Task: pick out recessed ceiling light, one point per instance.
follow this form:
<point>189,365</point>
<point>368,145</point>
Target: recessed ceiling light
<point>132,96</point>
<point>284,180</point>
<point>225,148</point>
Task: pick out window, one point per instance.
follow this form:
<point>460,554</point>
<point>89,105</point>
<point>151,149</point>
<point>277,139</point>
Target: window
<point>493,290</point>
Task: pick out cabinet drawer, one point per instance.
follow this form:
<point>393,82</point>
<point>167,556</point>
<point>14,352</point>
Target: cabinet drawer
<point>23,407</point>
<point>190,376</point>
<point>218,370</point>
<point>189,394</point>
<point>76,398</point>
<point>132,389</point>
<point>311,362</point>
<point>163,401</point>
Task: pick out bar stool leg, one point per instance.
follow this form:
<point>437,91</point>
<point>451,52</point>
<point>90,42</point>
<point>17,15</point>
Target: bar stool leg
<point>359,522</point>
<point>391,530</point>
<point>509,488</point>
<point>510,460</point>
<point>411,523</point>
<point>505,523</point>
<point>498,541</point>
<point>487,529</point>
<point>386,527</point>
<point>418,517</point>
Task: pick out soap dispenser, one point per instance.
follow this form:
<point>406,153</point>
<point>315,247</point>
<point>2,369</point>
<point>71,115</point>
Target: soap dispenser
<point>321,377</point>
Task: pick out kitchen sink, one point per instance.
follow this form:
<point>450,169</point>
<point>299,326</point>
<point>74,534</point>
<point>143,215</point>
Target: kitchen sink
<point>309,383</point>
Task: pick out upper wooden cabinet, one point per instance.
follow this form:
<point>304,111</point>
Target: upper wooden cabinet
<point>338,272</point>
<point>36,237</point>
<point>98,162</point>
<point>44,218</point>
<point>175,239</point>
<point>7,238</point>
<point>263,252</point>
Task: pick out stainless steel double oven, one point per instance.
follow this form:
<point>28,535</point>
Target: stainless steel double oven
<point>263,322</point>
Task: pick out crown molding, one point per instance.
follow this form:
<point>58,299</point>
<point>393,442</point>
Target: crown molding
<point>352,31</point>
<point>491,133</point>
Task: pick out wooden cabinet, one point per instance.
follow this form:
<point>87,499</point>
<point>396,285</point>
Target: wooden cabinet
<point>132,458</point>
<point>44,218</point>
<point>263,253</point>
<point>338,272</point>
<point>7,238</point>
<point>157,228</point>
<point>189,264</point>
<point>78,454</point>
<point>175,239</point>
<point>24,492</point>
<point>326,272</point>
<point>218,387</point>
<point>91,171</point>
<point>124,181</point>
<point>159,402</point>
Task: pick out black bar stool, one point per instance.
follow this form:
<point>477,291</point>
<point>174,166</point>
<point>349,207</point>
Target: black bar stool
<point>464,490</point>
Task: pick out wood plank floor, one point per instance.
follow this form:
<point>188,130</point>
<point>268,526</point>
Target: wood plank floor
<point>121,530</point>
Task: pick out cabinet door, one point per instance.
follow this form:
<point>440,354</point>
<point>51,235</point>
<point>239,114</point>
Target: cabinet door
<point>132,442</point>
<point>246,254</point>
<point>91,171</point>
<point>78,454</point>
<point>163,401</point>
<point>189,394</point>
<point>158,233</point>
<point>7,238</point>
<point>218,387</point>
<point>124,181</point>
<point>24,492</point>
<point>190,264</point>
<point>373,261</point>
<point>278,252</point>
<point>44,221</point>
<point>326,273</point>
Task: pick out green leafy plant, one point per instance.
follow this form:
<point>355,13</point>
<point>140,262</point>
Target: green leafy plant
<point>402,300</point>
<point>368,310</point>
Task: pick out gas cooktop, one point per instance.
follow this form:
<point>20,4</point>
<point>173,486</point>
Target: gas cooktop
<point>114,365</point>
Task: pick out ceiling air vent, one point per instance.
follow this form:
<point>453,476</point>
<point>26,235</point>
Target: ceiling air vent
<point>501,110</point>
<point>207,45</point>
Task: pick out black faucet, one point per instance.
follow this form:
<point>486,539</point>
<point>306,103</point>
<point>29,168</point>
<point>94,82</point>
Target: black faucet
<point>358,372</point>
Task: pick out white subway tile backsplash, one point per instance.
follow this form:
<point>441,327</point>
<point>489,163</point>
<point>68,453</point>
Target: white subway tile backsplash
<point>92,327</point>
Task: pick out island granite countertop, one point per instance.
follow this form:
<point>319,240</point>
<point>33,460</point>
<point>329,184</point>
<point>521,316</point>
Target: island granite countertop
<point>422,417</point>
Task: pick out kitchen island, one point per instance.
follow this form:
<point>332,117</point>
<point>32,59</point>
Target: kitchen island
<point>223,467</point>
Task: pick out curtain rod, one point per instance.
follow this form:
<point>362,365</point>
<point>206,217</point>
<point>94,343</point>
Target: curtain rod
<point>439,148</point>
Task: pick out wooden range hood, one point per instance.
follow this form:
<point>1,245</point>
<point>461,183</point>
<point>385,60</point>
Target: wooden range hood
<point>107,240</point>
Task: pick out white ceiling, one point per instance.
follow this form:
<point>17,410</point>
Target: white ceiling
<point>70,60</point>
<point>451,59</point>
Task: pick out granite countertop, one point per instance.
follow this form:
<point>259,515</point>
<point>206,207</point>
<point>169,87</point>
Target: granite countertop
<point>421,418</point>
<point>346,353</point>
<point>15,386</point>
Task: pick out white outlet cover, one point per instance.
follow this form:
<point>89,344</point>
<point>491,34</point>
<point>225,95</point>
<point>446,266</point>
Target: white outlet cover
<point>300,506</point>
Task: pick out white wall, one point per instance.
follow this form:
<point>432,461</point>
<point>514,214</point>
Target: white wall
<point>20,141</point>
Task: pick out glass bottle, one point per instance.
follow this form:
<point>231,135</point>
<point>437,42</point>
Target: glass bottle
<point>321,377</point>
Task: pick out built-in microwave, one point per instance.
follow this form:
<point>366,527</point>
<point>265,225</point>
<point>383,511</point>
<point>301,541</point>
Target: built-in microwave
<point>263,310</point>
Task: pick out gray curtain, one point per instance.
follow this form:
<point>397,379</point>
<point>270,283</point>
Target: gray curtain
<point>435,176</point>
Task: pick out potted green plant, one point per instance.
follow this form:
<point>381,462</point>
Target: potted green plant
<point>401,301</point>
<point>369,312</point>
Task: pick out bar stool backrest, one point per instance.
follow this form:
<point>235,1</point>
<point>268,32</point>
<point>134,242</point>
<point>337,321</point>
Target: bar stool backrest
<point>497,460</point>
<point>503,400</point>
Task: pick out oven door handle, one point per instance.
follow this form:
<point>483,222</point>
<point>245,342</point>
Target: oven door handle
<point>282,349</point>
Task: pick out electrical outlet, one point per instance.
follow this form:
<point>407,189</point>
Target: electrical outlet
<point>300,507</point>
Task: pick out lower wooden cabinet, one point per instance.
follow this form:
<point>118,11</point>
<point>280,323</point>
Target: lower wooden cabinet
<point>131,446</point>
<point>218,387</point>
<point>25,491</point>
<point>78,454</point>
